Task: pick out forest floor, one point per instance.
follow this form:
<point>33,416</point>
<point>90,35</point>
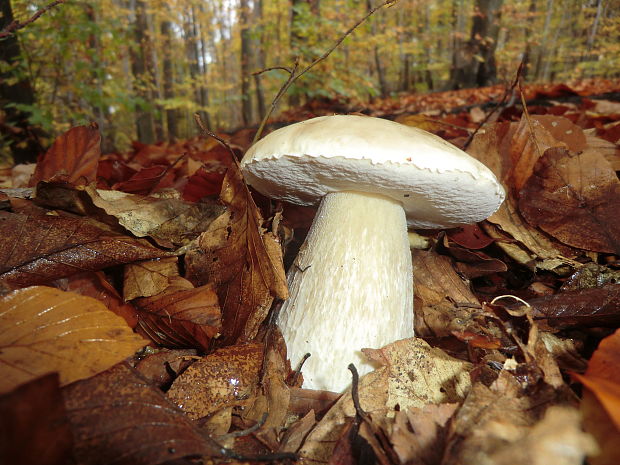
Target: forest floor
<point>137,290</point>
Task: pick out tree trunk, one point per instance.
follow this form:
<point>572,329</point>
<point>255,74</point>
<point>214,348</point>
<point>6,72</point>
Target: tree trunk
<point>21,137</point>
<point>145,124</point>
<point>474,62</point>
<point>260,57</point>
<point>246,53</point>
<point>299,39</point>
<point>172,124</point>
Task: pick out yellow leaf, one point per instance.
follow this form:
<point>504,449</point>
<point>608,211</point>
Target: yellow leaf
<point>45,330</point>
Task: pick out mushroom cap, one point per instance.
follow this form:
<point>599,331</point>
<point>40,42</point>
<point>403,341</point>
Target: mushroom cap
<point>437,184</point>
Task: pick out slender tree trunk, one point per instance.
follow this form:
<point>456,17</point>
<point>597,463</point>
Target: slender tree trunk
<point>145,123</point>
<point>15,87</point>
<point>168,78</point>
<point>474,62</point>
<point>259,43</point>
<point>246,52</point>
<point>542,49</point>
<point>204,70</point>
<point>298,36</point>
<point>383,86</point>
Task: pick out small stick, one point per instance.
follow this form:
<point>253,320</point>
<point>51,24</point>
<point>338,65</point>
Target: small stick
<point>16,25</point>
<point>294,75</point>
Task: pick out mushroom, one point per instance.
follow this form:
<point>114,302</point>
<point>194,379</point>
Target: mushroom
<point>351,283</point>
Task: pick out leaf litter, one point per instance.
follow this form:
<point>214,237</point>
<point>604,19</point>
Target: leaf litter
<point>170,238</point>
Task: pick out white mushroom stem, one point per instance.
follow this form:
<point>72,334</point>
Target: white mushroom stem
<point>350,288</point>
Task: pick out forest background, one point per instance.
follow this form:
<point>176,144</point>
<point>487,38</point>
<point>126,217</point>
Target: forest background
<point>141,69</point>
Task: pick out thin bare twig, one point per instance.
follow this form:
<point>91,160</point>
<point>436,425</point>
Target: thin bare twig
<point>16,25</point>
<point>294,75</point>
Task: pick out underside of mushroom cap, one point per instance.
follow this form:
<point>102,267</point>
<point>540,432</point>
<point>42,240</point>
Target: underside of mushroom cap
<point>438,184</point>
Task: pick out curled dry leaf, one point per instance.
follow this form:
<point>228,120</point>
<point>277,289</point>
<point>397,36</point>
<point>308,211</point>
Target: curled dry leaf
<point>164,219</point>
<point>242,260</point>
<point>181,316</point>
<point>575,198</point>
<point>35,249</point>
<point>72,158</point>
<point>443,301</point>
<point>226,378</point>
<point>34,425</point>
<point>118,417</point>
<point>45,329</point>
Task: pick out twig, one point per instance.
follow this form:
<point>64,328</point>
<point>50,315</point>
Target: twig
<point>294,75</point>
<point>16,25</point>
<point>497,107</point>
<point>359,412</point>
<point>245,432</point>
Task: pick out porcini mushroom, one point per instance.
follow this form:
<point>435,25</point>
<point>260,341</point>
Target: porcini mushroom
<point>351,283</point>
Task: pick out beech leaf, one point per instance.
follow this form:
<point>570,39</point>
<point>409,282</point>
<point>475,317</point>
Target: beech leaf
<point>575,198</point>
<point>45,330</point>
<point>244,262</point>
<point>73,157</point>
<point>35,249</point>
<point>118,418</point>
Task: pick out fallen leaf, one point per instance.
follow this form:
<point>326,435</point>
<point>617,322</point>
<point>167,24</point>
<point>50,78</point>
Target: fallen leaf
<point>418,434</point>
<point>34,426</point>
<point>181,316</point>
<point>164,219</point>
<point>35,249</point>
<point>594,307</point>
<point>575,199</point>
<point>228,377</point>
<point>419,374</point>
<point>146,180</point>
<point>95,285</point>
<point>602,376</point>
<point>118,417</point>
<point>242,260</point>
<point>72,158</point>
<point>443,302</point>
<point>149,278</point>
<point>45,329</point>
<point>162,367</point>
<point>598,423</point>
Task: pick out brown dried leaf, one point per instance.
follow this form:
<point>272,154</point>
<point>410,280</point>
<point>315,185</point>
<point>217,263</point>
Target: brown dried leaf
<point>45,329</point>
<point>594,307</point>
<point>39,248</point>
<point>95,285</point>
<point>419,374</point>
<point>442,298</point>
<point>226,378</point>
<point>244,263</point>
<point>598,423</point>
<point>181,316</point>
<point>164,219</point>
<point>117,417</point>
<point>494,419</point>
<point>149,278</point>
<point>603,377</point>
<point>418,434</point>
<point>72,158</point>
<point>34,425</point>
<point>574,198</point>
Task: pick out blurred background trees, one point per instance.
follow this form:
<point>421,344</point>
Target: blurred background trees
<point>141,68</point>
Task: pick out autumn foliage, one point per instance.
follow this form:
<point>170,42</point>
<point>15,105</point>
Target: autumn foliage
<point>137,290</point>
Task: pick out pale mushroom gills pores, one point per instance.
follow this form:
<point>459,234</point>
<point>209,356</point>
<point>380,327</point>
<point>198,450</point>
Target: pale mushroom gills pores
<point>351,284</point>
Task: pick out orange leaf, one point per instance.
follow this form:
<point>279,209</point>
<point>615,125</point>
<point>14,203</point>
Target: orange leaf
<point>45,330</point>
<point>72,158</point>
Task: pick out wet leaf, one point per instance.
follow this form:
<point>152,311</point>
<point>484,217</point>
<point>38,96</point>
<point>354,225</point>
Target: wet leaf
<point>574,198</point>
<point>117,417</point>
<point>144,181</point>
<point>35,249</point>
<point>34,426</point>
<point>228,377</point>
<point>45,329</point>
<point>242,260</point>
<point>151,277</point>
<point>72,158</point>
